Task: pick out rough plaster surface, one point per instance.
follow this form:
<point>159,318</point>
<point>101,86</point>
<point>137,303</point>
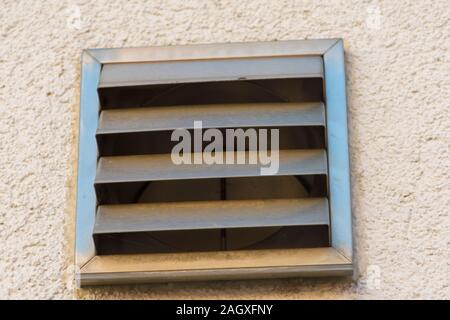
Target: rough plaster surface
<point>398,88</point>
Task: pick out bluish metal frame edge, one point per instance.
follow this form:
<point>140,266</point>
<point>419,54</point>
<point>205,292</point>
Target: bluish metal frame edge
<point>87,160</point>
<point>338,155</point>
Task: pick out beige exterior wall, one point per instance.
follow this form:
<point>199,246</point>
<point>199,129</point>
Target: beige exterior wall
<point>397,56</point>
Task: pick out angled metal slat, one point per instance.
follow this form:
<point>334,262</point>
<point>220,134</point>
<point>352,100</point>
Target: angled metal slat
<point>165,72</point>
<point>211,215</point>
<point>194,266</point>
<point>212,116</point>
<point>160,167</point>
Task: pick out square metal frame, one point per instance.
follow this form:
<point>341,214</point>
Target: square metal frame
<point>332,52</point>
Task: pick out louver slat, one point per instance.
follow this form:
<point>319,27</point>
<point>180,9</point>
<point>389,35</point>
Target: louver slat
<point>210,215</point>
<point>160,167</point>
<point>133,74</point>
<point>195,266</point>
<point>212,116</point>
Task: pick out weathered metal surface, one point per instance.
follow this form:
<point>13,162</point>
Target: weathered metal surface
<point>160,167</point>
<point>210,215</point>
<point>134,74</point>
<point>215,266</point>
<point>212,116</point>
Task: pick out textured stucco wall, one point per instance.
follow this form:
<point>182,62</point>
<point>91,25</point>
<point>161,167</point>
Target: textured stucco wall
<point>398,88</point>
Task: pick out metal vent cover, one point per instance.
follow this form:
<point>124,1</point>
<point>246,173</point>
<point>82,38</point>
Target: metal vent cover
<point>140,218</point>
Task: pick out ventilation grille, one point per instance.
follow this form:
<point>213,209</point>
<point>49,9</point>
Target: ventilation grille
<point>148,204</point>
<point>150,209</point>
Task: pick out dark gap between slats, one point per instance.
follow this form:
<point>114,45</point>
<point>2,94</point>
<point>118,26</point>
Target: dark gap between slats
<point>243,91</point>
<point>158,142</point>
<point>261,187</point>
<point>210,240</point>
